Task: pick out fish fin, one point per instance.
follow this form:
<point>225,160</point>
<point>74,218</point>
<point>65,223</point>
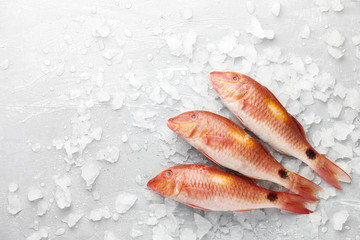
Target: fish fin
<point>240,120</point>
<point>244,210</point>
<point>304,187</point>
<point>274,98</point>
<point>194,206</point>
<point>294,203</point>
<point>299,126</point>
<point>329,171</point>
<point>203,152</point>
<point>249,180</point>
<point>216,141</point>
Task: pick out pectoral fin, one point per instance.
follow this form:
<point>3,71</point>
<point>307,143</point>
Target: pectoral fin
<point>194,206</point>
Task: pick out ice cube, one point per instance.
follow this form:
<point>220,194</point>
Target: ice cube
<point>89,172</point>
<point>334,108</point>
<point>313,69</point>
<point>321,96</point>
<point>99,213</point>
<point>328,192</point>
<point>275,9</point>
<point>325,81</point>
<point>227,43</point>
<point>339,219</point>
<point>73,218</point>
<point>85,76</point>
<point>237,51</point>
<point>340,90</point>
<point>108,54</point>
<point>62,193</point>
<point>342,130</point>
<point>102,95</point>
<point>36,147</point>
<point>305,33</point>
<point>109,236</point>
<point>343,151</point>
<point>110,154</point>
<point>96,133</point>
<point>336,5</point>
<point>324,5</point>
<point>335,39</point>
<point>315,219</point>
<point>352,99</point>
<point>327,137</point>
<point>152,221</point>
<point>158,210</point>
<point>307,172</point>
<point>59,231</point>
<point>117,101</point>
<point>13,187</point>
<point>198,85</point>
<point>187,13</point>
<point>187,234</point>
<point>5,64</point>
<point>189,41</point>
<point>356,40</point>
<point>42,233</point>
<point>157,95</point>
<point>203,225</point>
<point>306,98</point>
<point>35,193</point>
<point>124,201</point>
<point>255,28</point>
<point>295,107</point>
<point>42,207</point>
<point>174,43</point>
<point>159,233</point>
<point>104,30</point>
<point>14,203</point>
<point>335,52</point>
<point>124,137</point>
<point>250,7</point>
<point>134,233</point>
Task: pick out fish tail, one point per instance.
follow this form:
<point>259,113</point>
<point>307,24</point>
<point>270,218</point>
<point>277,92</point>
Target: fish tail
<point>294,203</point>
<point>304,187</point>
<point>330,172</point>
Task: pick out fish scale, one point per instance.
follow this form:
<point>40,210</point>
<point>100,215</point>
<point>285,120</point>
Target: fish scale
<point>259,111</point>
<point>209,188</point>
<point>228,145</point>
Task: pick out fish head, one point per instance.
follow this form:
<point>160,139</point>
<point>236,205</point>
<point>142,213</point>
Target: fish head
<point>231,86</point>
<point>188,125</point>
<point>168,183</point>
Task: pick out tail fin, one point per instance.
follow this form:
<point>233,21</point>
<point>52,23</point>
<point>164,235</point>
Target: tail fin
<point>304,187</point>
<point>329,171</point>
<point>294,203</point>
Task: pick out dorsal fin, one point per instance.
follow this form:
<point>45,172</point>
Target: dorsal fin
<point>298,125</point>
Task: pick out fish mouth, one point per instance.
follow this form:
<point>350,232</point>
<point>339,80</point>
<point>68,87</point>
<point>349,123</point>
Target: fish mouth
<point>173,125</point>
<point>152,184</point>
<point>216,79</point>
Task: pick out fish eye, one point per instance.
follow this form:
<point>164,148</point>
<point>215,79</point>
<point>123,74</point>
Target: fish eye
<point>168,173</point>
<point>193,116</point>
<point>235,78</point>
